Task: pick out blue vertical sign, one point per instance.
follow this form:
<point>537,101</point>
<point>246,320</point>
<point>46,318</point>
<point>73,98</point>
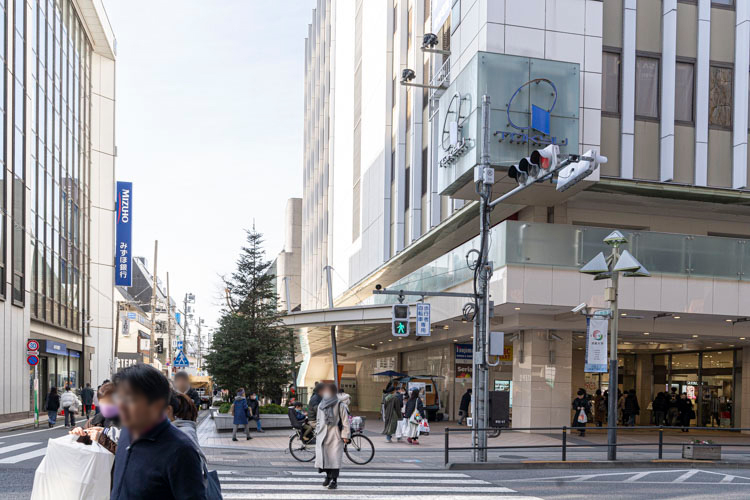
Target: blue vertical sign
<point>124,234</point>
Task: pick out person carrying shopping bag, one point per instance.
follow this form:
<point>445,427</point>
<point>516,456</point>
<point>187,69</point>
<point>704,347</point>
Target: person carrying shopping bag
<point>69,402</point>
<point>104,427</point>
<point>415,415</point>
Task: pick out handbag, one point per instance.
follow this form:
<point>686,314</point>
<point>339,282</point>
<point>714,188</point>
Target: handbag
<point>415,418</point>
<point>424,427</point>
<point>582,417</point>
<point>213,486</point>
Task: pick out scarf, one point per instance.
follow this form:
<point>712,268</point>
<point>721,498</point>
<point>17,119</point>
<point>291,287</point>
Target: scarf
<point>327,406</point>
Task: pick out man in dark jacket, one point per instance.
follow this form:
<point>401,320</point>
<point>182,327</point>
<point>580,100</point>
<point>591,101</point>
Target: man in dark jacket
<point>254,408</point>
<point>87,398</point>
<point>154,459</point>
<point>463,408</point>
<point>182,384</point>
<point>312,405</point>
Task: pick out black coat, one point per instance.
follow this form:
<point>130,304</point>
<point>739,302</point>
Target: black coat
<point>252,404</point>
<point>312,405</point>
<point>194,397</point>
<point>413,404</point>
<point>465,402</point>
<point>631,405</point>
<point>87,396</point>
<point>53,402</point>
<point>162,465</point>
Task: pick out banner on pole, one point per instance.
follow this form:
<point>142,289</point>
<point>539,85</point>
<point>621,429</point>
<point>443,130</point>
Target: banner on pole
<point>596,345</point>
<point>124,235</point>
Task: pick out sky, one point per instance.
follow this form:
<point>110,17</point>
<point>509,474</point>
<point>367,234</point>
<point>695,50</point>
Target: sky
<point>209,121</point>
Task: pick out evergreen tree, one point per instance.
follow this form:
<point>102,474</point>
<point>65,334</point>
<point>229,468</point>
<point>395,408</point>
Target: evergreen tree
<point>251,348</point>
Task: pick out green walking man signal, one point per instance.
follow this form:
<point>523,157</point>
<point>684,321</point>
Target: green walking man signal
<point>400,320</point>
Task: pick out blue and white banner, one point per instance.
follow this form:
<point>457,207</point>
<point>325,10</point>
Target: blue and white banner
<point>596,345</point>
<point>124,234</point>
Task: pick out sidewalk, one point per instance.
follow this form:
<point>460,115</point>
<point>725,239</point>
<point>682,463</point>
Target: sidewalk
<point>25,423</point>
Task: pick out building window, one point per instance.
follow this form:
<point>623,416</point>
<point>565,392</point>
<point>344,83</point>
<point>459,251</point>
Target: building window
<point>19,152</point>
<point>684,87</point>
<point>723,2</point>
<point>611,82</point>
<point>647,87</point>
<point>720,97</point>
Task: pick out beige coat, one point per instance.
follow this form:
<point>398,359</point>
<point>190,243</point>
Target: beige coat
<point>329,447</point>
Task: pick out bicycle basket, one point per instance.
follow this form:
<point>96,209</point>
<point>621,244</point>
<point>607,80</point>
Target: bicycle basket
<point>357,424</point>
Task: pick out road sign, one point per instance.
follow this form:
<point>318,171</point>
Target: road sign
<point>32,345</point>
<point>32,360</point>
<point>179,345</point>
<point>181,361</point>
<point>423,319</point>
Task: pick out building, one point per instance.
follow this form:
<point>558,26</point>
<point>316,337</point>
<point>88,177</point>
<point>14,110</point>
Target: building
<point>287,265</point>
<point>133,329</point>
<point>388,197</point>
<point>56,196</point>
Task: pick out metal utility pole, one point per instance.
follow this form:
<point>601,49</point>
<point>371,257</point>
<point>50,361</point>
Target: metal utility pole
<point>483,272</point>
<point>168,357</point>
<point>200,348</point>
<point>154,292</point>
<point>115,360</point>
<point>613,376</point>
<point>334,353</point>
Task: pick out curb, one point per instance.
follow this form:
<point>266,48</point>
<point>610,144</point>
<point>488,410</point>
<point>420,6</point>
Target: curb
<point>586,464</point>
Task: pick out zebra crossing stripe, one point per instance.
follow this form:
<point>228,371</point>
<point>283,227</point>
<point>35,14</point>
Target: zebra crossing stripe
<point>335,496</point>
<point>18,446</point>
<point>24,456</point>
<point>388,474</point>
<point>343,486</point>
<point>347,480</point>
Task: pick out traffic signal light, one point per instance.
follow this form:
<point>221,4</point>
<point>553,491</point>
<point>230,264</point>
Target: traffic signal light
<point>535,166</point>
<point>576,172</point>
<point>400,320</point>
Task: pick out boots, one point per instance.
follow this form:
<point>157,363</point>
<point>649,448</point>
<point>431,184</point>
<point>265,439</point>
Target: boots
<point>333,485</point>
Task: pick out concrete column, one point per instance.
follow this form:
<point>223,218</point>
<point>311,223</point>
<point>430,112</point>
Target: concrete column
<point>542,381</point>
<point>744,391</point>
<point>644,369</point>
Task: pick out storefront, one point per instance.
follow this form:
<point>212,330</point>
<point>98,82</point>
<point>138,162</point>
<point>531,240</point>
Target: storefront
<point>59,366</point>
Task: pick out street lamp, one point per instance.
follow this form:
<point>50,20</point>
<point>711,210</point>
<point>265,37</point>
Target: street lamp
<point>610,267</point>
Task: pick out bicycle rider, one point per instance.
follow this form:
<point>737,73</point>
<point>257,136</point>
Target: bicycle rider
<point>301,416</point>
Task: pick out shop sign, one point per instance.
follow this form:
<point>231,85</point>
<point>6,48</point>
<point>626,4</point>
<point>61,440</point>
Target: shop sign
<point>124,237</point>
<point>507,357</point>
<point>53,347</point>
<point>596,345</point>
<point>464,371</point>
<point>464,353</point>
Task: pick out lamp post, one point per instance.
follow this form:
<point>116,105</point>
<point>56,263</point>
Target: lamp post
<point>610,267</point>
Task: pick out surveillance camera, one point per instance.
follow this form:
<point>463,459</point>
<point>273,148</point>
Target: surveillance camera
<point>580,307</point>
<point>378,287</point>
<point>429,40</point>
<point>408,75</point>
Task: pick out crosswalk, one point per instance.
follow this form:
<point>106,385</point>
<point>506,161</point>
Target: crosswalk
<point>658,476</point>
<point>364,485</point>
<point>19,452</point>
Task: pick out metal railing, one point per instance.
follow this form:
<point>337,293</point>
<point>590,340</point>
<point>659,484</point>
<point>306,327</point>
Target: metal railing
<point>564,446</point>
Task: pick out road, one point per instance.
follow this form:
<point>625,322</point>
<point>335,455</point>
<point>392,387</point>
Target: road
<point>274,475</point>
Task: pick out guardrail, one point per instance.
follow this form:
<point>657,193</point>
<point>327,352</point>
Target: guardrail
<point>565,446</point>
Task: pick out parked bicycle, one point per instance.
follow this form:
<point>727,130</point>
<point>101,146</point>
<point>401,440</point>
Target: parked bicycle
<point>359,449</point>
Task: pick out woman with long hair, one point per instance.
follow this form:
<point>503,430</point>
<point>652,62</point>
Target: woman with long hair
<point>414,415</point>
<point>332,432</point>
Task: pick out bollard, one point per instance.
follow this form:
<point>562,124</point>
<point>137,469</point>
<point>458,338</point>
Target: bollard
<point>564,444</point>
<point>661,441</point>
<point>447,431</point>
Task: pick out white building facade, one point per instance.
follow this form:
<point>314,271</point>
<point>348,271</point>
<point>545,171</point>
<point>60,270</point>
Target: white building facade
<point>57,187</point>
<point>654,86</point>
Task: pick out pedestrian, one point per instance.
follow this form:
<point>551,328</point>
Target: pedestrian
<point>414,414</point>
<point>69,402</point>
<point>621,406</point>
<point>87,398</point>
<point>254,410</point>
<point>630,409</point>
<point>463,407</point>
<point>302,422</point>
<point>579,412</point>
<point>673,412</point>
<point>104,427</point>
<point>402,429</point>
<point>600,408</point>
<point>391,412</point>
<point>312,404</point>
<point>686,412</point>
<point>182,384</point>
<point>154,459</point>
<point>389,388</point>
<point>52,405</point>
<point>659,409</point>
<point>183,414</point>
<point>332,432</point>
<point>240,412</point>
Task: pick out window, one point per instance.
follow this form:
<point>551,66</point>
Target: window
<point>720,97</point>
<point>610,82</point>
<point>684,85</point>
<point>723,2</point>
<point>647,87</point>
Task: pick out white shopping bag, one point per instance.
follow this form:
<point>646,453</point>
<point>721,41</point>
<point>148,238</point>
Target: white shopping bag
<point>402,429</point>
<point>71,471</point>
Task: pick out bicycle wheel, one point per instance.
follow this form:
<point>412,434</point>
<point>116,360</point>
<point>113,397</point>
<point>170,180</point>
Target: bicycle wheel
<point>494,432</point>
<point>304,452</point>
<point>360,450</point>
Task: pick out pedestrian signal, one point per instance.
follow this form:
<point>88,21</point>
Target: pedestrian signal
<point>400,320</point>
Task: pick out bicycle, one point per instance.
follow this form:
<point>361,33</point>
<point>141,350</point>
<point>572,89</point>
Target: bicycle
<point>359,450</point>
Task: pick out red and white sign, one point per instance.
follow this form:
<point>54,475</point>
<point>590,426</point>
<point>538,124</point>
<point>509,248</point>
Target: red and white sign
<point>32,345</point>
<point>32,360</point>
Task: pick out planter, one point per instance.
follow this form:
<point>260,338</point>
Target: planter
<point>223,421</point>
<point>701,451</point>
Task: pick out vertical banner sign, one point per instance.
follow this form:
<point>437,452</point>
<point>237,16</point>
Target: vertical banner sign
<point>596,345</point>
<point>423,319</point>
<point>124,234</point>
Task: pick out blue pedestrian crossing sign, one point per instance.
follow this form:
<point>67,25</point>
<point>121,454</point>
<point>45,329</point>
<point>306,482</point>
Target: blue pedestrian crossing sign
<point>181,361</point>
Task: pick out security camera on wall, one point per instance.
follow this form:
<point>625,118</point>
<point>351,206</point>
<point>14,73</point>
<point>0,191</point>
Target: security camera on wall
<point>408,75</point>
<point>580,307</point>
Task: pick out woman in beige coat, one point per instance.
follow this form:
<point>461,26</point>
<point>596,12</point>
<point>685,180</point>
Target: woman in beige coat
<point>332,432</point>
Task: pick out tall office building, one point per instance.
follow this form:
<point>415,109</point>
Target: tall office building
<point>56,196</point>
<point>660,88</point>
